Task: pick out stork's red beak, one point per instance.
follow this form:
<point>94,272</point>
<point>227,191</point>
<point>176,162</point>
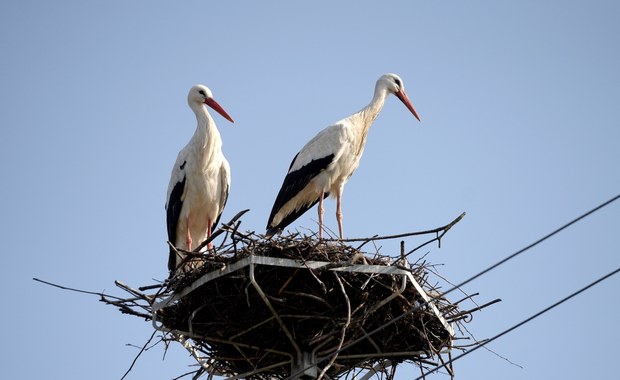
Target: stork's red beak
<point>213,104</point>
<point>402,95</point>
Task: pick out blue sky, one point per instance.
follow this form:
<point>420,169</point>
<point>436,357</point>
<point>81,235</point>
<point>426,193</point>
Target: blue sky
<point>519,129</point>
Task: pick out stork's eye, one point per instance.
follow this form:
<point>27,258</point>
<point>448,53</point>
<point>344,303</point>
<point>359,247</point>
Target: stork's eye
<point>397,82</point>
<point>202,92</point>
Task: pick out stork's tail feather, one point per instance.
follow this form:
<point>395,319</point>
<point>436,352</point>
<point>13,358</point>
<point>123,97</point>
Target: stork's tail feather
<point>272,231</point>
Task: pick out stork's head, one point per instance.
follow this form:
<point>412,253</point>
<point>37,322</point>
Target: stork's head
<point>394,85</point>
<point>200,94</point>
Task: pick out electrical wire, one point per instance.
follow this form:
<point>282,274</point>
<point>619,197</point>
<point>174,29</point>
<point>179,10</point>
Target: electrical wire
<point>585,215</point>
<point>543,311</point>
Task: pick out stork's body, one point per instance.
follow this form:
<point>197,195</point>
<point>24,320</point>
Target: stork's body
<point>323,166</point>
<point>200,180</point>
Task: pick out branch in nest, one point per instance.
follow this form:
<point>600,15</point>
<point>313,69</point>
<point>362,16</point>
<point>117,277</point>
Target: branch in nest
<point>437,230</point>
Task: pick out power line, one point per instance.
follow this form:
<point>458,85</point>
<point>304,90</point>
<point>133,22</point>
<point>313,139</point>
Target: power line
<point>501,262</point>
<point>537,242</point>
<point>522,322</point>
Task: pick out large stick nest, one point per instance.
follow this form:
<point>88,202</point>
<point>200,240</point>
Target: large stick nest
<point>336,307</point>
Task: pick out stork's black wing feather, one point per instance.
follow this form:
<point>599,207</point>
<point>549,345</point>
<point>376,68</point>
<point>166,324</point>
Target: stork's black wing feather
<point>294,182</point>
<point>173,213</point>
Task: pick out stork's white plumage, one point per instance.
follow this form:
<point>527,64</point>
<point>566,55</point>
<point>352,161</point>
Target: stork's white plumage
<point>200,180</point>
<point>325,163</point>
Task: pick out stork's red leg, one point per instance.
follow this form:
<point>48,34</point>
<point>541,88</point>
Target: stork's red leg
<point>339,213</point>
<point>210,245</point>
<point>321,210</point>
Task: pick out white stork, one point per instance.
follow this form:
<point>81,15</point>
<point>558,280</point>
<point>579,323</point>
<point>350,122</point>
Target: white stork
<point>325,163</point>
<point>200,180</point>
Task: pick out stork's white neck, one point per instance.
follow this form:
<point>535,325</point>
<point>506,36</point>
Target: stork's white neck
<point>206,134</point>
<point>364,118</point>
<point>372,110</point>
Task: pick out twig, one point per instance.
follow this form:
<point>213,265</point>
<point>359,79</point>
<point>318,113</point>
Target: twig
<point>125,309</point>
<point>220,231</point>
<point>185,374</point>
<point>139,353</point>
<point>130,290</point>
<point>442,229</point>
<point>150,287</point>
<point>203,363</point>
<point>465,314</point>
<point>77,290</point>
<point>344,328</point>
<point>443,362</point>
